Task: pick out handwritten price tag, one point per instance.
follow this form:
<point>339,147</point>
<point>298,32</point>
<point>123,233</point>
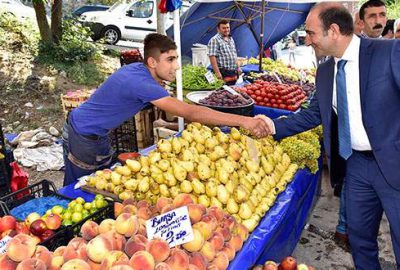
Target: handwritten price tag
<point>173,226</point>
<point>210,77</point>
<point>4,244</point>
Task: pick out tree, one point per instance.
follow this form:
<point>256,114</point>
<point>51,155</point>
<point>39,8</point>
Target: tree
<point>52,33</point>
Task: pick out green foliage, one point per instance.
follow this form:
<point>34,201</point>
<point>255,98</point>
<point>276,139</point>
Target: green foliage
<point>393,10</point>
<point>25,37</point>
<point>193,79</point>
<point>75,54</point>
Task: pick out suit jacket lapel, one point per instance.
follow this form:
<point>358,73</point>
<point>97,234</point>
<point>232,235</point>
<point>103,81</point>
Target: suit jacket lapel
<point>364,68</point>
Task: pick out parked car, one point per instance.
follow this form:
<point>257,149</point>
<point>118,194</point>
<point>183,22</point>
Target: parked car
<point>125,20</point>
<point>79,11</point>
<point>18,9</point>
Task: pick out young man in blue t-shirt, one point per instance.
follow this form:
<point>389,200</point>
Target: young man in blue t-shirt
<point>121,96</point>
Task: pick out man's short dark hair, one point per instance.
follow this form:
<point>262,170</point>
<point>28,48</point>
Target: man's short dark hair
<point>156,44</point>
<point>222,22</point>
<point>389,27</point>
<point>338,15</point>
<point>370,3</point>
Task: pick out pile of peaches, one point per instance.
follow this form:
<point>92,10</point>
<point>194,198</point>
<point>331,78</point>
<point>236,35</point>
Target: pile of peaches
<point>122,244</point>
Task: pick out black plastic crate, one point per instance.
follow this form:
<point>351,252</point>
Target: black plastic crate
<point>62,237</point>
<point>123,138</point>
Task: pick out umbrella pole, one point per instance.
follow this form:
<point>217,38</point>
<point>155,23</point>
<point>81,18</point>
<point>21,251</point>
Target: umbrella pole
<point>262,35</point>
<point>177,37</point>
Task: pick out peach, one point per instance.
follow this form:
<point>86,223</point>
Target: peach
<point>229,250</point>
<point>144,212</point>
<point>7,223</point>
<point>112,258</point>
<point>142,230</point>
<point>212,266</point>
<point>76,249</point>
<point>6,263</point>
<point>21,247</point>
<point>217,241</point>
<point>241,230</point>
<point>98,248</point>
<point>178,259</point>
<point>226,233</point>
<point>121,267</point>
<point>229,222</point>
<point>197,242</point>
<point>236,242</point>
<point>197,259</point>
<point>221,261</point>
<point>142,260</point>
<point>181,200</point>
<point>93,265</point>
<point>127,224</point>
<point>193,267</point>
<point>59,251</point>
<point>107,225</point>
<point>31,264</point>
<point>161,202</point>
<point>162,266</point>
<point>217,212</point>
<point>76,264</point>
<point>20,227</point>
<point>134,245</point>
<point>196,211</point>
<point>167,208</point>
<point>117,209</point>
<point>53,221</point>
<point>129,208</point>
<point>142,203</point>
<point>89,230</point>
<point>204,229</point>
<point>56,263</point>
<point>159,249</point>
<point>208,251</point>
<point>210,220</point>
<point>117,240</point>
<point>129,201</point>
<point>42,253</point>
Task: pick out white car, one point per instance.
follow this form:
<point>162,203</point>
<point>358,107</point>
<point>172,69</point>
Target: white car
<point>125,20</point>
<point>19,10</point>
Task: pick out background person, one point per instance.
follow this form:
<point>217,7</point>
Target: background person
<point>373,15</point>
<point>358,24</point>
<point>396,28</point>
<point>388,30</point>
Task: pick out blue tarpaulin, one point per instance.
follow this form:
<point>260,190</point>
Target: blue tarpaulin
<point>199,23</point>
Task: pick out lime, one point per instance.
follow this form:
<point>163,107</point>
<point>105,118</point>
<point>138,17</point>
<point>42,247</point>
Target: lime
<point>78,208</point>
<point>98,197</point>
<point>76,217</point>
<point>80,200</point>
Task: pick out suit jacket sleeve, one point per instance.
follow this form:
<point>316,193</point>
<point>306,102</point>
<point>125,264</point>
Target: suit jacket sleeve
<point>299,122</point>
<point>395,63</point>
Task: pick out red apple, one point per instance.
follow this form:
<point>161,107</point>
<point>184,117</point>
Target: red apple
<point>38,227</point>
<point>7,223</point>
<point>53,221</point>
<point>46,235</point>
<point>288,263</point>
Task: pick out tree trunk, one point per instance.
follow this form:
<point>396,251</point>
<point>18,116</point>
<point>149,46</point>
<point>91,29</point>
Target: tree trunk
<point>43,24</point>
<point>56,18</point>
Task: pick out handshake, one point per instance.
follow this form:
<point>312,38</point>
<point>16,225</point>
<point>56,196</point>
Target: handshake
<point>260,126</point>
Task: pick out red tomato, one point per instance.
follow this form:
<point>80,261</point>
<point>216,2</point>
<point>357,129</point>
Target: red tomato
<point>258,98</point>
<point>269,95</point>
<point>250,92</point>
<point>266,99</point>
<point>275,105</point>
<point>253,96</point>
<point>273,100</point>
<point>257,92</point>
<point>268,104</point>
<point>279,101</point>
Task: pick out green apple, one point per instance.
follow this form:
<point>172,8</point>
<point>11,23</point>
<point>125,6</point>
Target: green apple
<point>100,203</point>
<point>80,200</point>
<point>87,206</point>
<point>76,217</point>
<point>98,197</point>
<point>66,222</point>
<point>77,208</point>
<point>72,204</point>
<point>57,210</point>
<point>67,215</point>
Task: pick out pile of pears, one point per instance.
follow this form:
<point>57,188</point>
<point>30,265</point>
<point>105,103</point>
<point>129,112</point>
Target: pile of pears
<point>239,174</point>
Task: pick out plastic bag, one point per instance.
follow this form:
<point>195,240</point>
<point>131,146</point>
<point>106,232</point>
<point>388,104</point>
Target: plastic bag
<point>19,179</point>
<point>163,6</point>
<point>173,4</point>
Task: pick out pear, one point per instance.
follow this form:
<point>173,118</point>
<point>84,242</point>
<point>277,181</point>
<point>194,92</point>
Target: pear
<point>174,191</point>
<point>198,137</point>
<point>154,188</point>
<point>240,194</point>
<point>164,191</point>
<point>187,136</point>
<point>145,170</point>
<point>118,189</point>
<point>110,187</point>
<point>179,172</point>
<point>230,186</point>
<point>144,161</point>
<point>187,165</point>
<point>252,166</point>
<point>187,155</point>
<point>222,194</point>
<point>234,151</point>
<point>164,146</point>
<point>186,186</point>
<point>222,175</point>
<point>210,143</point>
<point>204,200</point>
<point>123,170</point>
<point>211,188</point>
<point>154,169</point>
<point>222,137</point>
<point>163,165</point>
<point>154,157</point>
<point>203,171</point>
<point>245,211</point>
<point>170,179</point>
<point>213,156</point>
<point>231,206</point>
<point>144,185</point>
<point>220,151</point>
<point>184,143</point>
<point>159,178</point>
<point>235,134</point>
<point>205,160</point>
<point>198,187</point>
<point>101,183</point>
<point>176,145</point>
<point>115,178</point>
<point>131,184</point>
<point>214,202</point>
<point>200,148</point>
<point>250,224</point>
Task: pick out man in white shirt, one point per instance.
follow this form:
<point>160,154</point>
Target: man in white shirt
<point>357,102</point>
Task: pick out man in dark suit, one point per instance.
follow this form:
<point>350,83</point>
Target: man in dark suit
<point>358,104</point>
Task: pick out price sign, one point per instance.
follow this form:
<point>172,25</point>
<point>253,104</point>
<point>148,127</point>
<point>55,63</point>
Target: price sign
<point>173,227</point>
<point>210,77</point>
<point>4,244</point>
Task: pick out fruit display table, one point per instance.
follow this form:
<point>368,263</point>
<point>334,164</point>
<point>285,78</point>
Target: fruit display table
<point>70,192</point>
<point>272,112</point>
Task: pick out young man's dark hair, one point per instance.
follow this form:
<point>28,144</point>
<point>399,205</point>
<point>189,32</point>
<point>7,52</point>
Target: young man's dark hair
<point>222,22</point>
<point>156,44</point>
<point>370,3</point>
<point>389,27</point>
<point>340,16</point>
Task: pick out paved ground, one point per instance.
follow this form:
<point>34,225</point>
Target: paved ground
<point>316,246</point>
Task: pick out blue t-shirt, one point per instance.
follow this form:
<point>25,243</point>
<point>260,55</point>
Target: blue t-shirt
<point>118,99</point>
